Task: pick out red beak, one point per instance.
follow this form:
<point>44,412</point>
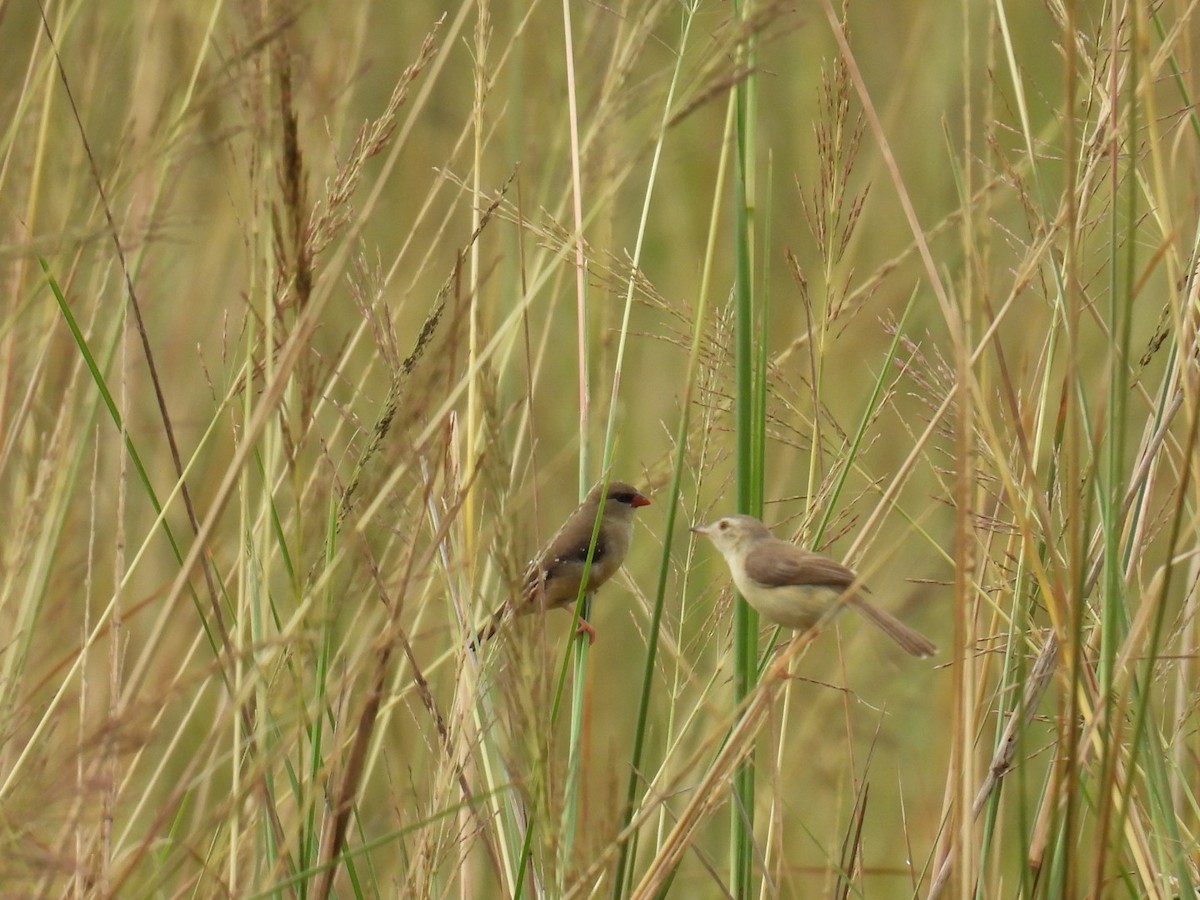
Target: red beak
<point>638,500</point>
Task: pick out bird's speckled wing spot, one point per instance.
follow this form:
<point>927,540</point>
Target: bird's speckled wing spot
<point>580,554</point>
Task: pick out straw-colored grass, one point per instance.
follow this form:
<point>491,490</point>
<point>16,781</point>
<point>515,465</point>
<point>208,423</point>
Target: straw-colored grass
<point>321,317</point>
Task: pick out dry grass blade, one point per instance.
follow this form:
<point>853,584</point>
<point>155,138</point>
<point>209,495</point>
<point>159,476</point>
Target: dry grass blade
<point>851,857</point>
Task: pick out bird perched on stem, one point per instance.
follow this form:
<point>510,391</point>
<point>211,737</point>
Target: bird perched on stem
<point>555,577</point>
<point>795,588</point>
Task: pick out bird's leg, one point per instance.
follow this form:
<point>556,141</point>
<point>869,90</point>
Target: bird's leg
<point>585,627</point>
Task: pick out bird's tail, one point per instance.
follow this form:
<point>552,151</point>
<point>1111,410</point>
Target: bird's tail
<point>524,605</point>
<point>489,628</point>
<point>909,639</point>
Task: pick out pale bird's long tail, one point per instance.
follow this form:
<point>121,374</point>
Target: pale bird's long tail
<point>909,639</point>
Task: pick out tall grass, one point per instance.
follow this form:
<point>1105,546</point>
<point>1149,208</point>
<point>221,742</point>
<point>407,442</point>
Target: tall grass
<point>749,433</point>
<point>322,318</point>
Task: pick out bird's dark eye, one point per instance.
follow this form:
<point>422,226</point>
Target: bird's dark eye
<point>624,497</point>
<point>724,525</point>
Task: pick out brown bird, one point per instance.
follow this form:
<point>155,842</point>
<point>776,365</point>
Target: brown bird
<point>793,587</point>
<point>554,578</point>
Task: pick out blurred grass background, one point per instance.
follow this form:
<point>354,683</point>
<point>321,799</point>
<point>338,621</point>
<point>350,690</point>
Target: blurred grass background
<point>377,403</point>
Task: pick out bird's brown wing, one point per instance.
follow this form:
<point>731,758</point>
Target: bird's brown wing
<point>560,567</point>
<point>778,563</point>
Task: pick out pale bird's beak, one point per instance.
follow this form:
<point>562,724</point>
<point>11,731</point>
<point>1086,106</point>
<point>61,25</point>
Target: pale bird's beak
<point>699,529</point>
